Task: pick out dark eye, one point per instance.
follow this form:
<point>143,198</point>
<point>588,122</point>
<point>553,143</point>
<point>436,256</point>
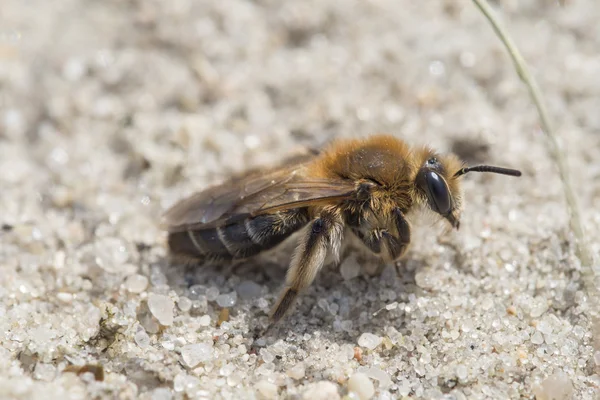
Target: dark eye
<point>438,192</point>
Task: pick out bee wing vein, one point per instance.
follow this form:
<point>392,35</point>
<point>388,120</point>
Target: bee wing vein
<point>276,191</point>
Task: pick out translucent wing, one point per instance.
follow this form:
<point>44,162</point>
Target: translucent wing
<point>254,194</point>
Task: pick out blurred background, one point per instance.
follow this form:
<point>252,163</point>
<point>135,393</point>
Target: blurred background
<point>110,111</point>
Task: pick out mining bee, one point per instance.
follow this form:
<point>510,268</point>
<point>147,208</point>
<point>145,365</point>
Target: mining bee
<point>365,187</point>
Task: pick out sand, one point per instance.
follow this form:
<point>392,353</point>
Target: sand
<point>112,111</point>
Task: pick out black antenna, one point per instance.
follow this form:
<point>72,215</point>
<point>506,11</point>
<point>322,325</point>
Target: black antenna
<point>488,168</point>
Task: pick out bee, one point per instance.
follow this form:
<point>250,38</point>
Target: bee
<point>362,187</point>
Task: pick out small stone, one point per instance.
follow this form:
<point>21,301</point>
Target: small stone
<point>425,279</point>
<point>487,304</point>
<point>360,384</point>
<point>64,297</point>
<point>157,278</point>
<point>212,293</point>
<point>161,307</point>
<point>184,304</point>
<point>537,338</point>
<point>112,253</point>
<point>267,389</point>
<point>403,387</point>
<point>323,390</point>
<point>462,372</point>
<point>74,69</point>
<point>538,308</point>
<point>227,300</point>
<point>544,327</point>
<point>42,334</point>
<point>579,331</point>
<point>297,372</point>
<point>150,325</point>
<point>44,372</point>
<point>196,290</point>
<point>377,374</point>
<point>350,268</point>
<point>248,290</point>
<point>267,356</point>
<point>369,341</point>
<point>467,326</point>
<point>235,379</point>
<point>179,382</point>
<point>194,354</point>
<point>141,337</point>
<point>557,386</point>
<point>136,283</point>
<point>204,320</point>
<point>161,394</point>
<point>597,358</point>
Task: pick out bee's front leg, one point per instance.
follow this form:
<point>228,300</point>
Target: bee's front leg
<point>397,245</point>
<point>389,245</point>
<point>324,233</point>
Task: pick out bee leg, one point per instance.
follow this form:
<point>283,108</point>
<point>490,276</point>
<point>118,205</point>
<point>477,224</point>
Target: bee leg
<point>325,232</point>
<point>397,245</point>
<point>386,244</point>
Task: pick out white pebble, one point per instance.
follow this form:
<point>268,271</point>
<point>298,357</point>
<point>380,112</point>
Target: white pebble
<point>64,297</point>
<point>267,389</point>
<point>425,279</point>
<point>179,382</point>
<point>538,308</point>
<point>141,338</point>
<point>204,320</point>
<point>544,327</point>
<point>360,384</point>
<point>297,372</point>
<point>403,387</point>
<point>597,358</point>
<point>136,283</point>
<point>537,338</point>
<point>350,268</point>
<point>462,372</point>
<point>558,386</point>
<point>248,290</point>
<point>112,253</point>
<point>194,354</point>
<point>44,372</point>
<point>161,307</point>
<point>74,69</point>
<point>161,394</point>
<point>377,374</point>
<point>212,293</point>
<point>369,341</point>
<point>184,304</point>
<point>227,300</point>
<point>323,390</point>
<point>267,356</point>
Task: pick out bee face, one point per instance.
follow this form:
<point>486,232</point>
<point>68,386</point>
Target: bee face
<point>439,188</point>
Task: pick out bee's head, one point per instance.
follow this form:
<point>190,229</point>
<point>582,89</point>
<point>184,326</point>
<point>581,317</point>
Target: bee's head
<point>437,183</point>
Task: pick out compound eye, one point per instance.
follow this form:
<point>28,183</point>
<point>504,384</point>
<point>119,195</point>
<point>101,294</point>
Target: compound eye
<point>438,192</point>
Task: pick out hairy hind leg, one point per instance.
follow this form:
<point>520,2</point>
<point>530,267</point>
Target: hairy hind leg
<point>324,233</point>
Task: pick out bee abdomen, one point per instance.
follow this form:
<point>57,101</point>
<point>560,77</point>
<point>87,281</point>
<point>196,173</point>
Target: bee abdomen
<point>240,239</point>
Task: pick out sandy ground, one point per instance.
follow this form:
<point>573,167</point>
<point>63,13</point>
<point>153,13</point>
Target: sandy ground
<point>112,110</point>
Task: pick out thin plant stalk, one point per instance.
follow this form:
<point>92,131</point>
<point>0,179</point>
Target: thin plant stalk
<point>582,247</point>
